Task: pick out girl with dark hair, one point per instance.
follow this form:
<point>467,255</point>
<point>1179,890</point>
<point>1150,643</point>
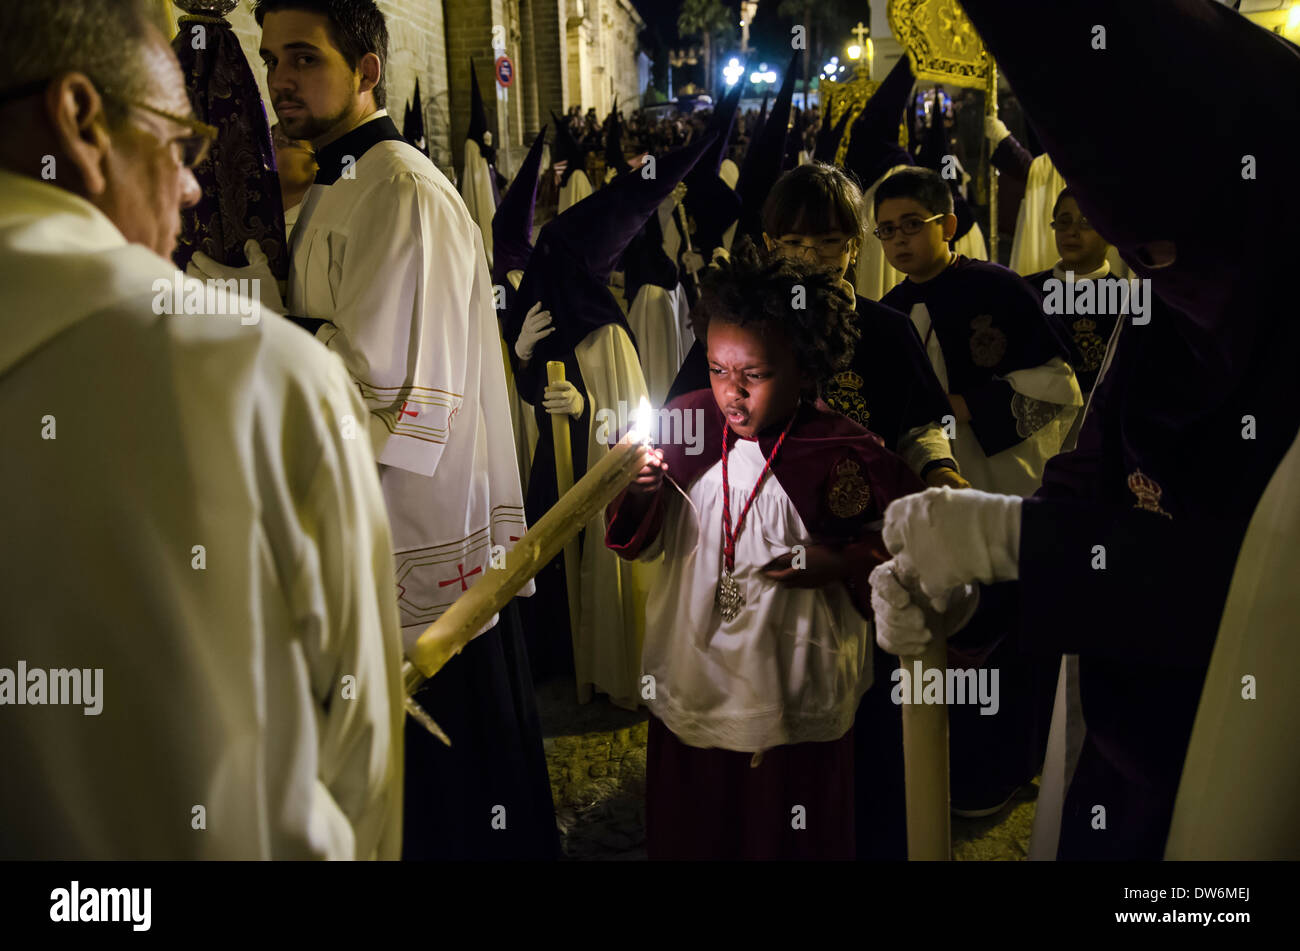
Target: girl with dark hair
<point>758,642</point>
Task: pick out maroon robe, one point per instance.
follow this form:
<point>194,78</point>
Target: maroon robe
<point>711,803</point>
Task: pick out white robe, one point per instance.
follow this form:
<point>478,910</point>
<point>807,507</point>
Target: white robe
<point>1017,470</point>
<point>1241,779</point>
<point>523,422</point>
<point>612,592</point>
<point>573,191</point>
<point>875,276</point>
<point>729,172</point>
<point>223,679</point>
<point>656,318</point>
<point>791,667</point>
<point>393,261</point>
<point>660,318</point>
<point>972,244</point>
<point>476,189</point>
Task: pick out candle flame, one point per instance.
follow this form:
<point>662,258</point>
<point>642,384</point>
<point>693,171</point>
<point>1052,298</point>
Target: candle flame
<point>642,423</point>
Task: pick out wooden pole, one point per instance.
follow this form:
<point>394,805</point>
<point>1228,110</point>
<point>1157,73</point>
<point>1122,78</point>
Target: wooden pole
<point>445,637</point>
<point>563,483</point>
<point>991,108</point>
<point>925,762</point>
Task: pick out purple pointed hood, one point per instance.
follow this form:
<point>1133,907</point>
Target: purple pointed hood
<point>576,251</point>
<point>512,225</point>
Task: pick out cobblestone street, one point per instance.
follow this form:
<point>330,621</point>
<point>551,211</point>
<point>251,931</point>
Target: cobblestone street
<point>595,754</point>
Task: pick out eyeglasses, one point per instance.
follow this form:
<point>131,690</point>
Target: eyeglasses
<point>826,248</point>
<point>1065,223</point>
<point>192,149</point>
<point>909,227</point>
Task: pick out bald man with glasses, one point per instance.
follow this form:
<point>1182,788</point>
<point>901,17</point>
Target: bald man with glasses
<point>202,650</point>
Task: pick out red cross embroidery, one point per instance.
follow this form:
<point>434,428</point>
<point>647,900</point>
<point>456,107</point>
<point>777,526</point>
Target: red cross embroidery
<point>461,579</point>
<point>408,412</point>
<point>514,538</point>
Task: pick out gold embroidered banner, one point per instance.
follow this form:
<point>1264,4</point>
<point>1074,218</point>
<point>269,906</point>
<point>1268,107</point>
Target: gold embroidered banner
<point>943,46</point>
<point>940,41</point>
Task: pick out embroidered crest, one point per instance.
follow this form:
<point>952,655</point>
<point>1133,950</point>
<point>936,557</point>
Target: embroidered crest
<point>988,344</point>
<point>1148,493</point>
<point>844,396</point>
<point>849,492</point>
<point>1091,347</point>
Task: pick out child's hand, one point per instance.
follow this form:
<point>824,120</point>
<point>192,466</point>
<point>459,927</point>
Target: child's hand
<point>944,476</point>
<point>651,476</point>
<point>820,565</point>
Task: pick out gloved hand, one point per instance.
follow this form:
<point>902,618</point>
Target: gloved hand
<point>946,538</point>
<point>995,130</point>
<point>537,324</point>
<point>906,619</point>
<point>205,268</point>
<point>563,397</point>
<point>900,625</point>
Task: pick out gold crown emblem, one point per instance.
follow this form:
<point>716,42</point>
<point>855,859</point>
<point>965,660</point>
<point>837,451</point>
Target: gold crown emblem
<point>1085,325</point>
<point>849,380</point>
<point>1148,493</point>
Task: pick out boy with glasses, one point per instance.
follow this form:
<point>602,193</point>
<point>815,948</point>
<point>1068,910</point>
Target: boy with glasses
<point>1083,260</point>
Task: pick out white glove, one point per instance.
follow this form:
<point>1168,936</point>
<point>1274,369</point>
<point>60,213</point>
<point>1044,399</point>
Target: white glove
<point>563,397</point>
<point>995,130</point>
<point>900,625</point>
<point>946,538</point>
<point>692,261</point>
<point>537,324</point>
<point>259,269</point>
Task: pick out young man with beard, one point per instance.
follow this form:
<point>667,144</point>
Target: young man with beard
<point>388,270</point>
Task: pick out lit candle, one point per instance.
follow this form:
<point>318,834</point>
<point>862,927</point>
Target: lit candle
<point>445,637</point>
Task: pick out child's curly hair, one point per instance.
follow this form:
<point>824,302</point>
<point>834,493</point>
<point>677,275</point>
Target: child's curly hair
<point>750,289</point>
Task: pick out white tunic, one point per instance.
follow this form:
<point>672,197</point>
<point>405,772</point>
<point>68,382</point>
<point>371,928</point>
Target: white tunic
<point>1017,470</point>
<point>476,190</point>
<point>256,676</point>
<point>790,668</point>
<point>655,319</point>
<point>612,591</point>
<point>573,191</point>
<point>1237,796</point>
<point>392,260</point>
<point>875,276</point>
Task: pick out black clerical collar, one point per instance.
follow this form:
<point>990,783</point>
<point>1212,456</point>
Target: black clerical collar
<point>330,160</point>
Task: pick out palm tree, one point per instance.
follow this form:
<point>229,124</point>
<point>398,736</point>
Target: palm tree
<point>709,20</point>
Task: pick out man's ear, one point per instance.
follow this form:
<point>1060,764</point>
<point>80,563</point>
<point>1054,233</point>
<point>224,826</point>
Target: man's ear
<point>75,112</point>
<point>371,69</point>
<point>949,227</point>
<point>767,240</point>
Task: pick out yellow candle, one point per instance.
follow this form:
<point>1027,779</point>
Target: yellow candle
<point>925,767</point>
<point>445,637</point>
<point>563,483</point>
